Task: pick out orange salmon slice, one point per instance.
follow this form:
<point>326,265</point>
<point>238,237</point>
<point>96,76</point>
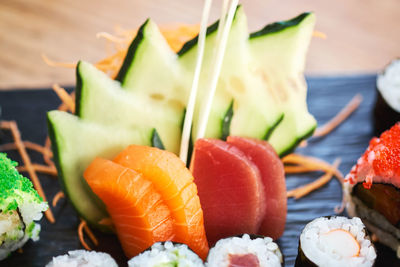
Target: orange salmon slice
<point>137,210</point>
<point>175,184</point>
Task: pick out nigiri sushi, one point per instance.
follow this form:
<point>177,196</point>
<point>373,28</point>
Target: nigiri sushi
<point>20,207</point>
<point>372,188</point>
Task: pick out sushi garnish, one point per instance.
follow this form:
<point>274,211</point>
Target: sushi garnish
<point>83,258</point>
<point>335,241</point>
<point>20,207</point>
<point>167,254</point>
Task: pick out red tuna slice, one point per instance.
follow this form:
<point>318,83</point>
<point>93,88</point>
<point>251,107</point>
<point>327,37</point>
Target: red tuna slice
<point>381,161</point>
<point>230,189</point>
<point>263,155</point>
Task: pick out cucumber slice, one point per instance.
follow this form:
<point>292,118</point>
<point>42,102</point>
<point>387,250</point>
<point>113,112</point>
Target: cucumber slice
<point>254,110</point>
<point>100,99</point>
<point>282,68</point>
<point>151,66</point>
<point>75,144</point>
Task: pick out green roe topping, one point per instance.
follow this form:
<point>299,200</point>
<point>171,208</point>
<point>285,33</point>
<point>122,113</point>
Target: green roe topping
<point>12,184</point>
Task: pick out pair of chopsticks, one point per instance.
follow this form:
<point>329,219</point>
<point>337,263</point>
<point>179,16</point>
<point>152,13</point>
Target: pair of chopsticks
<point>225,23</point>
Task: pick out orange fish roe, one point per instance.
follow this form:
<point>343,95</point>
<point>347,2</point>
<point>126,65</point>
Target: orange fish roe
<point>380,162</point>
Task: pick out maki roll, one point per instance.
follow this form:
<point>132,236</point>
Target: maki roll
<point>335,241</point>
<point>167,254</point>
<point>387,106</point>
<point>20,207</point>
<point>245,251</point>
<point>83,258</point>
<point>372,188</point>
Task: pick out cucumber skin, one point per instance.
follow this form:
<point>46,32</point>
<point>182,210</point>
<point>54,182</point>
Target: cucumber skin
<point>280,25</point>
<point>54,147</point>
<point>291,148</point>
<point>78,90</point>
<point>192,43</point>
<point>271,130</point>
<point>131,54</point>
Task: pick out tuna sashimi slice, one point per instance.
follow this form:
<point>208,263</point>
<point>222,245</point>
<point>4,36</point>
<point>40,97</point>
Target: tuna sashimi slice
<point>262,154</point>
<point>230,189</point>
<point>137,210</point>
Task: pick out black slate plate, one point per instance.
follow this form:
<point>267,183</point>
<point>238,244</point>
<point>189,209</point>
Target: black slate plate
<point>326,97</point>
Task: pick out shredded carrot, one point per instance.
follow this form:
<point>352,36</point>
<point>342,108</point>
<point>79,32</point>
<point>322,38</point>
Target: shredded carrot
<point>52,63</point>
<point>340,209</point>
<point>57,197</point>
<point>48,153</point>
<point>106,222</point>
<point>313,164</point>
<point>66,98</point>
<point>301,169</point>
<point>319,34</point>
<point>308,188</point>
<point>28,145</point>
<point>303,143</point>
<point>80,234</point>
<point>50,170</point>
<point>110,37</point>
<point>12,126</point>
<point>20,251</point>
<point>340,117</point>
<point>90,234</point>
<point>83,226</point>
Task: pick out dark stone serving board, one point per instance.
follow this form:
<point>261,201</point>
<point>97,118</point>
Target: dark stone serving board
<point>327,95</point>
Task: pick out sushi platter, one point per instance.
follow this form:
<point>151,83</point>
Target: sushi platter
<point>202,146</point>
<point>326,96</point>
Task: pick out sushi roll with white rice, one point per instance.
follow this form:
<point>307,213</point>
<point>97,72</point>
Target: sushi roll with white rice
<point>83,258</point>
<point>167,254</point>
<point>20,207</point>
<point>335,241</point>
<point>372,188</point>
<point>245,251</point>
<point>387,106</point>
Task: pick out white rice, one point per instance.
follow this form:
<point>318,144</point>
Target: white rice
<point>388,84</point>
<point>168,254</point>
<point>267,252</point>
<point>30,212</point>
<point>317,251</point>
<point>83,258</point>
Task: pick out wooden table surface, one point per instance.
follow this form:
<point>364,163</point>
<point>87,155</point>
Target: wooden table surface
<point>363,35</point>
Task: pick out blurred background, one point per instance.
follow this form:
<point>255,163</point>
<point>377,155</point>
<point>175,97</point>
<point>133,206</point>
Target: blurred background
<point>362,35</point>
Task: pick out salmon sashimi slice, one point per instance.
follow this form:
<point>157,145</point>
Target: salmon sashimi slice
<point>230,189</point>
<point>263,155</point>
<point>137,210</point>
<point>175,184</point>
